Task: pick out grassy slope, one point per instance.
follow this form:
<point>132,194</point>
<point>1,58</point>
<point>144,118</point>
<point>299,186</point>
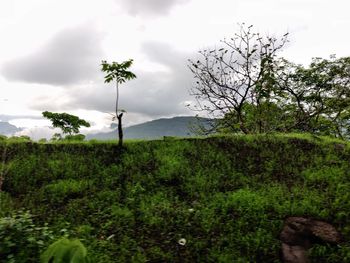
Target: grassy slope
<point>227,196</point>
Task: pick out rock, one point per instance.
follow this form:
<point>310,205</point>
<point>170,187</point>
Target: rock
<point>294,254</point>
<point>325,232</point>
<point>299,234</point>
<point>295,232</point>
<point>339,147</point>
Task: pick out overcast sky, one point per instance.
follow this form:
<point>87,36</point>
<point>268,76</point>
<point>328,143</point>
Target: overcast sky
<point>51,50</point>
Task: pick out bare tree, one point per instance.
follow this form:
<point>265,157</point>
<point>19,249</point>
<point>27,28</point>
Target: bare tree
<point>240,71</point>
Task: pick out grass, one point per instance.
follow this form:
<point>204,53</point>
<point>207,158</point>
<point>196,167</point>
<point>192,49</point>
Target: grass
<point>226,196</point>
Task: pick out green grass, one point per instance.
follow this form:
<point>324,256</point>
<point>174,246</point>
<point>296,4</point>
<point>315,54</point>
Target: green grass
<point>227,196</point>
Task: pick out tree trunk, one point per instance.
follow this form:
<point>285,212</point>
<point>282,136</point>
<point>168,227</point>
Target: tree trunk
<point>120,129</point>
<point>241,123</point>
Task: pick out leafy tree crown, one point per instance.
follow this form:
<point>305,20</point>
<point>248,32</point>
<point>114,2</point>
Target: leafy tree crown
<point>117,71</point>
<point>66,122</point>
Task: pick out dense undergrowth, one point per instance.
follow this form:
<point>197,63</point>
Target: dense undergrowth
<point>216,199</point>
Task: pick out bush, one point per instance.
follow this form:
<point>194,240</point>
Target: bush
<point>21,240</point>
<point>56,137</point>
<point>64,251</point>
<point>76,137</point>
<point>43,140</point>
<point>58,191</point>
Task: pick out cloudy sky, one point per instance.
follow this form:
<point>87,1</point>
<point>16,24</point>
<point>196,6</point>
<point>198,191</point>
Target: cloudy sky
<point>51,51</point>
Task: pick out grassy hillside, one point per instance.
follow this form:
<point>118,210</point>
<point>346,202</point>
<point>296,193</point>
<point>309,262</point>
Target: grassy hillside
<point>225,197</point>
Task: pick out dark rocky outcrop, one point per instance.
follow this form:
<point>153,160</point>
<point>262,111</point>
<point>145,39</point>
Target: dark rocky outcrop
<point>299,234</point>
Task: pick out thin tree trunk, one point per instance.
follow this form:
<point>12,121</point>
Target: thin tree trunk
<point>120,129</point>
<point>119,117</point>
<point>117,99</point>
<point>258,105</point>
<point>241,123</point>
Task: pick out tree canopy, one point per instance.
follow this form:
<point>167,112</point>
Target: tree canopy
<point>66,122</point>
<point>117,71</point>
<point>250,89</point>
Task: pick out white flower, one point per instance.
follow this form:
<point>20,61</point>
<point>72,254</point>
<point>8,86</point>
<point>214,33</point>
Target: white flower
<point>182,242</point>
<point>190,210</point>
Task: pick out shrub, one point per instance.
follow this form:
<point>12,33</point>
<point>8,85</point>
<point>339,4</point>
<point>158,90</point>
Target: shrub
<point>65,251</point>
<point>76,137</point>
<point>57,192</point>
<point>21,240</point>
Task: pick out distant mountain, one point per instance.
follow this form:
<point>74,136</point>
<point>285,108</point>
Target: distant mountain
<point>7,128</point>
<point>177,126</point>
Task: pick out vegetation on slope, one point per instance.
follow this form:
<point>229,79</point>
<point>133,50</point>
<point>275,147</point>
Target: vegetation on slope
<point>216,199</point>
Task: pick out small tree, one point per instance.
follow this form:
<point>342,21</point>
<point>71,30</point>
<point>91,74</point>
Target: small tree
<point>119,73</point>
<point>66,122</point>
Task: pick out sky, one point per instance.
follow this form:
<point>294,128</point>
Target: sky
<point>51,51</point>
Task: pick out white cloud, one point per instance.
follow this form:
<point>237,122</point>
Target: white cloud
<point>149,7</point>
<point>71,56</point>
<point>37,133</point>
<point>152,93</point>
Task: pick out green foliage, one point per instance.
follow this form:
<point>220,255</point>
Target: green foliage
<point>56,137</point>
<point>317,97</point>
<point>21,240</point>
<point>42,140</point>
<point>57,192</point>
<point>15,139</point>
<point>266,118</point>
<point>227,196</point>
<point>117,71</point>
<point>6,204</point>
<point>76,137</point>
<point>66,122</point>
<point>65,251</point>
<point>313,99</point>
